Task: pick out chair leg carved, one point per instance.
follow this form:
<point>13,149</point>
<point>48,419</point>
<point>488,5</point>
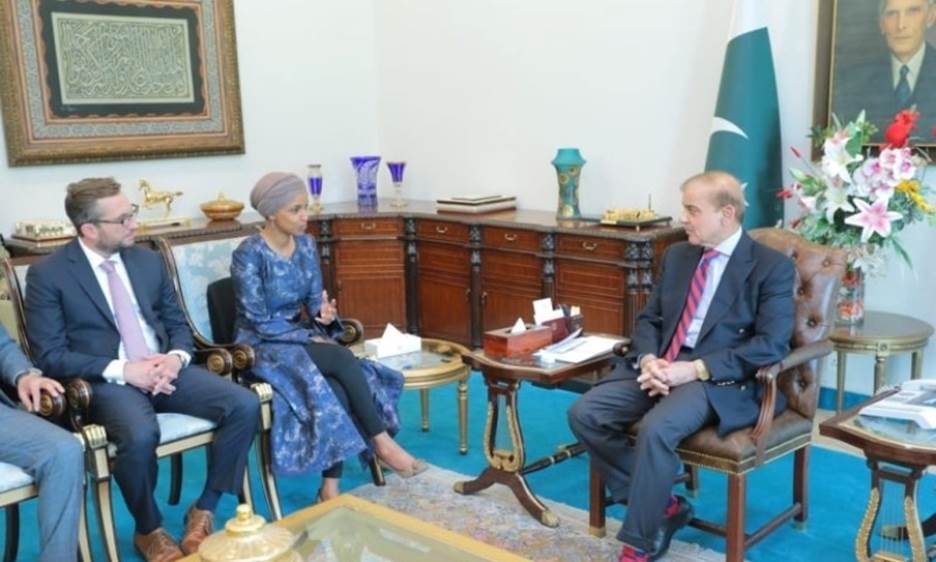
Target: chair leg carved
<point>801,485</point>
<point>734,530</point>
<point>105,511</point>
<point>12,533</point>
<point>596,502</point>
<point>84,537</point>
<point>175,483</point>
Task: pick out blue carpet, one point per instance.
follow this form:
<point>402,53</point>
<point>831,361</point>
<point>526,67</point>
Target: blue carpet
<point>839,483</point>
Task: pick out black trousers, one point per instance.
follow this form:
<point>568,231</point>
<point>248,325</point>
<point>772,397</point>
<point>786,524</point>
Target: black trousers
<point>343,372</point>
<point>128,415</point>
<point>642,473</point>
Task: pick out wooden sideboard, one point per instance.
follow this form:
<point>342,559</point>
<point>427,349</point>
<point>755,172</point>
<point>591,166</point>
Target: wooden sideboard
<point>453,276</point>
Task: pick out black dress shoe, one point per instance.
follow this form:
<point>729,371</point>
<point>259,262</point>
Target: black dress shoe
<point>670,525</point>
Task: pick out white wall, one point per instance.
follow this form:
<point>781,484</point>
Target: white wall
<point>308,93</point>
<point>477,96</point>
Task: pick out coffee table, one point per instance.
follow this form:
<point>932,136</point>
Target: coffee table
<point>437,364</point>
<point>503,377</point>
<point>897,451</point>
<point>347,528</point>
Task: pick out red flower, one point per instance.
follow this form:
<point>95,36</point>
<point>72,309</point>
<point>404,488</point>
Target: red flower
<point>785,194</point>
<point>898,132</point>
<point>799,155</point>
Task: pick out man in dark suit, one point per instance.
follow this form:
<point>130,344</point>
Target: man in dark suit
<point>723,307</point>
<point>105,310</point>
<point>51,455</point>
<point>901,77</point>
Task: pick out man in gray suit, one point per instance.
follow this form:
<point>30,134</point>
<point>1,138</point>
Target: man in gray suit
<point>51,455</point>
<point>723,307</point>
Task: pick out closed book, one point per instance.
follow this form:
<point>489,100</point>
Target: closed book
<point>473,198</point>
<point>476,209</point>
<point>489,201</point>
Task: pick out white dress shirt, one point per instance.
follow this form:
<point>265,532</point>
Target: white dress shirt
<point>115,369</point>
<point>913,66</point>
<point>713,278</point>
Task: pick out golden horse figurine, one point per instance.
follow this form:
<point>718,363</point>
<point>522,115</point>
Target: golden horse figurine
<point>152,197</point>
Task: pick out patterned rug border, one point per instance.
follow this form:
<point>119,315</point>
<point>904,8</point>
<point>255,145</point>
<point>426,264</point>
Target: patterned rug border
<point>573,521</point>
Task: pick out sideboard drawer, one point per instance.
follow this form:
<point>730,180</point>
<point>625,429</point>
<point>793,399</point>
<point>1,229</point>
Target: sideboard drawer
<point>442,230</point>
<point>591,247</point>
<point>511,239</point>
<point>369,227</point>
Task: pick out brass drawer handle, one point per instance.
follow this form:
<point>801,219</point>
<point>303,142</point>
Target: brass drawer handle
<point>368,225</point>
<point>589,246</point>
<point>510,237</point>
<point>441,229</point>
<point>467,295</point>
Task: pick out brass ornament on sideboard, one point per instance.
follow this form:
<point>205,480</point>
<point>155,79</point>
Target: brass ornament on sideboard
<point>222,208</point>
<point>152,198</point>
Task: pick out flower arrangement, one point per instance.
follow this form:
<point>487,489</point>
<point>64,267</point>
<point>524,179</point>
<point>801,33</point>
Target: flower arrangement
<point>858,201</point>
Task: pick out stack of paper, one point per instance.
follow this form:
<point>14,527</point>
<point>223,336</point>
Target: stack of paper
<point>476,203</point>
<point>575,350</point>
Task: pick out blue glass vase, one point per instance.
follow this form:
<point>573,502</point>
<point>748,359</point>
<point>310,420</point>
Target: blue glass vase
<point>366,169</point>
<point>568,163</point>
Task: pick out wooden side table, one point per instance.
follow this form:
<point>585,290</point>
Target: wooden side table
<point>881,334</point>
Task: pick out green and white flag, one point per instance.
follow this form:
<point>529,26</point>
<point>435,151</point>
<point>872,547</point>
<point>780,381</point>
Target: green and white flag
<point>745,138</point>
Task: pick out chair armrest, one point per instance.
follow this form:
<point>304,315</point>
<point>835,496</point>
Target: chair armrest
<point>622,347</point>
<point>767,376</point>
<point>353,332</point>
<point>216,359</point>
<point>78,393</point>
<point>51,407</point>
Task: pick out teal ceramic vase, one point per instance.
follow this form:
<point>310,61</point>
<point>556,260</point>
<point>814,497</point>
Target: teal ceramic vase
<point>568,163</point>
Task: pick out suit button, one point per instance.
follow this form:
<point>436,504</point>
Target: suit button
<point>741,330</point>
<point>743,386</point>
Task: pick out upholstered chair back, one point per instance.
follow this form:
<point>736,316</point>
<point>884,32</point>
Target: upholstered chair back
<point>11,305</point>
<point>196,265</point>
<point>819,271</point>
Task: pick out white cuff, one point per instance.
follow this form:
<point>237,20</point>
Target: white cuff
<point>114,372</point>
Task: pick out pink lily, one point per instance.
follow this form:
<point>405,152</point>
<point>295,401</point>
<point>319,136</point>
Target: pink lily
<point>873,218</point>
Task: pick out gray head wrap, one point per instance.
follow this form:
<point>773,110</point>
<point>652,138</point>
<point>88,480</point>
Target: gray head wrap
<point>274,191</point>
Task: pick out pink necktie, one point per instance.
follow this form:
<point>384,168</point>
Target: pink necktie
<point>692,303</point>
<point>127,322</point>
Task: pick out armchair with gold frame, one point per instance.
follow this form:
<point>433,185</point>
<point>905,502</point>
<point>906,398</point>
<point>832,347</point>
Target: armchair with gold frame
<point>197,265</point>
<point>16,485</point>
<point>819,270</point>
<point>179,433</point>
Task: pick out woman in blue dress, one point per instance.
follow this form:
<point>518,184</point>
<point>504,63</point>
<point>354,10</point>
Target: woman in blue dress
<point>327,404</point>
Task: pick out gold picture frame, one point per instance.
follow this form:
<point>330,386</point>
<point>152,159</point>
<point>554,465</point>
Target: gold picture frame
<point>853,71</point>
<point>113,80</point>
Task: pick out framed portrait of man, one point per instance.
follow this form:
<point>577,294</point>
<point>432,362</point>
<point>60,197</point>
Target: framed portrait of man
<point>877,56</point>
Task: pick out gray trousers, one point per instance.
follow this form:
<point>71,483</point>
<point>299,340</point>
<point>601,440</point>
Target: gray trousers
<point>643,473</point>
<point>53,457</point>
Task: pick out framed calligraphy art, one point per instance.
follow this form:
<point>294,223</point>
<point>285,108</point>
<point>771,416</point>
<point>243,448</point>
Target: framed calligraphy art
<point>97,80</point>
<point>877,56</point>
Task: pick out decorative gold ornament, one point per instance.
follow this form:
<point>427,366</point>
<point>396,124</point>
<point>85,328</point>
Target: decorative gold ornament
<point>222,208</point>
<point>247,537</point>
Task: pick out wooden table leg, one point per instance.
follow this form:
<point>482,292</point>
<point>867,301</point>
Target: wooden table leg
<point>841,358</point>
<point>463,415</point>
<point>424,407</point>
<point>506,466</point>
<point>880,362</point>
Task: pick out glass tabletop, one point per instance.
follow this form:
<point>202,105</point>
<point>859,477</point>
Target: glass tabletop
<point>902,431</point>
<point>350,529</point>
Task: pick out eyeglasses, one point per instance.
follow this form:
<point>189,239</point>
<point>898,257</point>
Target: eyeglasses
<point>123,220</point>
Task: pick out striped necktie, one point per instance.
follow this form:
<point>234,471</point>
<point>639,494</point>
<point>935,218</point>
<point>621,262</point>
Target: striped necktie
<point>696,288</point>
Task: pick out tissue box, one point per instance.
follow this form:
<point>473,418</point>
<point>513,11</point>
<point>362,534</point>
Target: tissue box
<point>383,347</point>
<point>562,327</point>
<point>501,343</point>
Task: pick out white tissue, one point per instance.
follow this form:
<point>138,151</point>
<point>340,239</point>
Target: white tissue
<point>519,327</point>
<point>393,342</point>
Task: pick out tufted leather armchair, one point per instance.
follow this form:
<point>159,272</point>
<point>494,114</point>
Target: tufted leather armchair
<point>819,270</point>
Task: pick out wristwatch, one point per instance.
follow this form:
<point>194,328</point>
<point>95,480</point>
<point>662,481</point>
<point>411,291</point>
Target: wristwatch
<point>701,370</point>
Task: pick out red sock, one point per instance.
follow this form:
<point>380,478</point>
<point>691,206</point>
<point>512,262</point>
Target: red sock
<point>631,554</point>
<point>672,507</point>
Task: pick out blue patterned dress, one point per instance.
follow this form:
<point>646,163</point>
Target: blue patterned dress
<point>311,429</point>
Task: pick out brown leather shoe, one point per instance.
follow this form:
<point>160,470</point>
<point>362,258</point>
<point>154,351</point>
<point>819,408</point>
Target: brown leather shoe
<point>157,546</point>
<point>198,525</point>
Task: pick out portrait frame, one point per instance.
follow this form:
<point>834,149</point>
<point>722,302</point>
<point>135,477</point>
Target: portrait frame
<point>850,46</point>
<point>78,81</point>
